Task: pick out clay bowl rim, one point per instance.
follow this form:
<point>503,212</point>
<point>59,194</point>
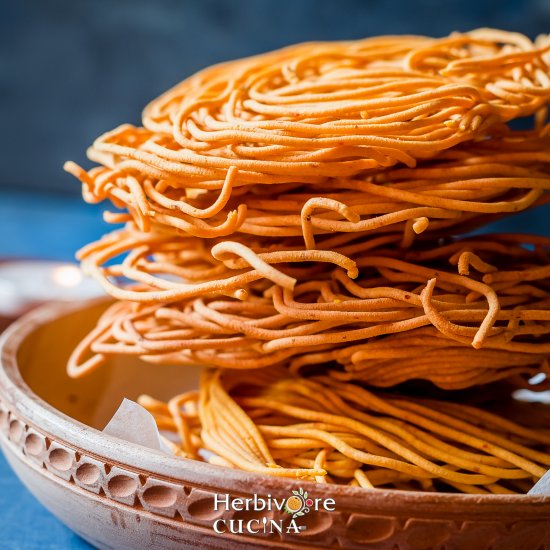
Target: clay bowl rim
<point>63,428</point>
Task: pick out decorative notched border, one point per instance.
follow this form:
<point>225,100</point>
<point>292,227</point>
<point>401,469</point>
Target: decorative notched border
<point>194,506</point>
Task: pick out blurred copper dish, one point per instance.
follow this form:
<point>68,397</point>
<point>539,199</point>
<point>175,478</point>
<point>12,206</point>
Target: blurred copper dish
<point>28,283</point>
<point>119,495</point>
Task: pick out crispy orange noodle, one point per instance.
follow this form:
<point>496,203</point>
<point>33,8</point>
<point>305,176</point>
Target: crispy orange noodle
<point>422,313</point>
<point>332,432</point>
<point>306,215</point>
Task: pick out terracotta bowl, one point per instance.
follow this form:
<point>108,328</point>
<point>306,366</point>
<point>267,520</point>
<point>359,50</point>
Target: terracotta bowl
<point>119,495</point>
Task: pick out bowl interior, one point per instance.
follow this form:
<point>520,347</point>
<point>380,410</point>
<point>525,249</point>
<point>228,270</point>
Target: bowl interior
<point>93,399</point>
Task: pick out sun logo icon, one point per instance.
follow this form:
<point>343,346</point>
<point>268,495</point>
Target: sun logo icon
<point>298,504</point>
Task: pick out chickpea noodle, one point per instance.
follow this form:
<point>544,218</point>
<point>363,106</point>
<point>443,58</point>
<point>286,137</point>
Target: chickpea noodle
<point>303,215</point>
<point>327,431</point>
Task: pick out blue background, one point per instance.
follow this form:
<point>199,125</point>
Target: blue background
<point>72,69</point>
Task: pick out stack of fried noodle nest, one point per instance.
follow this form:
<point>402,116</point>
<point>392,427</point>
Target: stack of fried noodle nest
<point>302,224</point>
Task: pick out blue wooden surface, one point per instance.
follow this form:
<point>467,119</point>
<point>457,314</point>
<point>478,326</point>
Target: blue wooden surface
<point>25,524</point>
<point>52,227</point>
